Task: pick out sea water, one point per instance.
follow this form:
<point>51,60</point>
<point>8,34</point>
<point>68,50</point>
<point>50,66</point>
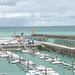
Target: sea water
<point>13,69</point>
<point>9,31</point>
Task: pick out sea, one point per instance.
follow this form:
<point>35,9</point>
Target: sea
<point>13,69</point>
<point>9,31</point>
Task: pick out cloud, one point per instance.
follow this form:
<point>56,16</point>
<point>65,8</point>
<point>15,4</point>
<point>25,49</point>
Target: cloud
<point>14,15</point>
<point>9,2</point>
<point>37,12</point>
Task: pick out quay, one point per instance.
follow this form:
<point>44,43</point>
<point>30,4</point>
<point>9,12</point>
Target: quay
<point>53,36</point>
<point>59,48</point>
<point>29,66</point>
<point>60,45</point>
<point>15,47</point>
<point>43,45</point>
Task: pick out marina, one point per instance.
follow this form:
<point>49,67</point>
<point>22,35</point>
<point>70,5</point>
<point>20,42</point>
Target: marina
<point>40,57</point>
<point>37,37</point>
<point>29,55</point>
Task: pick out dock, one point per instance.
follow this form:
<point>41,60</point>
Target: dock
<point>30,67</point>
<point>54,36</point>
<point>60,48</point>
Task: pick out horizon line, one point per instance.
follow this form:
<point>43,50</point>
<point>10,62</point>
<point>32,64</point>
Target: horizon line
<point>38,26</point>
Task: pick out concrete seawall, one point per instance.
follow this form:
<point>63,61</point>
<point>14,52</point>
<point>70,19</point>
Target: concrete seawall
<point>54,36</point>
<point>14,47</point>
<point>60,49</point>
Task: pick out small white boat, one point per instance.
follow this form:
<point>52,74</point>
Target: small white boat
<point>4,56</point>
<point>14,61</point>
<point>49,59</point>
<point>57,62</point>
<point>25,51</point>
<point>49,70</point>
<point>57,59</point>
<point>43,57</point>
<point>40,68</point>
<point>46,55</point>
<point>37,53</point>
<point>14,55</point>
<point>33,72</point>
<point>74,71</point>
<point>30,62</point>
<point>18,50</point>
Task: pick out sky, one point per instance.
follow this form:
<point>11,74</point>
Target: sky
<point>37,13</point>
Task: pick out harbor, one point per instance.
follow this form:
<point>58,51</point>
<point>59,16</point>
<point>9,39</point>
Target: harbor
<point>36,54</point>
<point>37,37</point>
<point>43,56</point>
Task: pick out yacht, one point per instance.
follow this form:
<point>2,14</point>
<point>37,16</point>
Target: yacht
<point>4,55</point>
<point>18,50</point>
<point>49,59</point>
<point>40,68</point>
<point>14,61</point>
<point>37,53</point>
<point>30,62</point>
<point>33,72</point>
<point>56,62</point>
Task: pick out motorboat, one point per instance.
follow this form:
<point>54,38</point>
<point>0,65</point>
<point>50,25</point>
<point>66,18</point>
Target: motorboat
<point>48,70</point>
<point>37,53</point>
<point>4,56</point>
<point>46,55</point>
<point>14,61</point>
<point>25,51</point>
<point>49,59</point>
<point>56,62</point>
<point>43,57</point>
<point>74,71</point>
<point>18,50</point>
<point>33,72</point>
<point>30,62</point>
<point>57,59</point>
<point>19,58</point>
<point>15,55</point>
<point>40,68</point>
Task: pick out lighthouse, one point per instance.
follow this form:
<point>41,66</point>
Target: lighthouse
<point>32,31</point>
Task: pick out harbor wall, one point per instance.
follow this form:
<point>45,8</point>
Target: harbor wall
<point>15,47</point>
<point>54,36</point>
<point>61,49</point>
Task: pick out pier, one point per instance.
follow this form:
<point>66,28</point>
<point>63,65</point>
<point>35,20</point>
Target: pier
<point>29,66</point>
<point>59,48</point>
<point>15,47</point>
<point>54,36</point>
<point>65,42</point>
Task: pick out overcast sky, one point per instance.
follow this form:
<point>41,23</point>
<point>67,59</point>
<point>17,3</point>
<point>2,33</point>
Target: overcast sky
<point>37,12</point>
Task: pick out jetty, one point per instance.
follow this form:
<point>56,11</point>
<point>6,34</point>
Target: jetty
<point>54,36</point>
<point>60,48</point>
<point>14,56</point>
<point>29,66</point>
